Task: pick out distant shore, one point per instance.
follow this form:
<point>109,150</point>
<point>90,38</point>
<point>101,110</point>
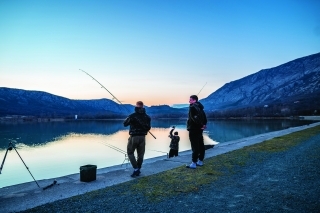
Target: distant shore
<point>21,118</point>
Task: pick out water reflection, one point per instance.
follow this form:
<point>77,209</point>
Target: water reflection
<point>39,133</point>
<point>67,153</point>
<point>227,130</point>
<point>56,149</point>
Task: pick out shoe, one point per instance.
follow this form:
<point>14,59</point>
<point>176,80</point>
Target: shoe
<point>136,173</point>
<point>200,163</point>
<point>191,166</point>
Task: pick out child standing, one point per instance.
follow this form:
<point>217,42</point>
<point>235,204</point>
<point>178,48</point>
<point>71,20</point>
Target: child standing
<point>174,144</point>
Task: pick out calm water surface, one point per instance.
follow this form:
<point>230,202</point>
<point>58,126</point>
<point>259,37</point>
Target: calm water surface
<point>57,149</point>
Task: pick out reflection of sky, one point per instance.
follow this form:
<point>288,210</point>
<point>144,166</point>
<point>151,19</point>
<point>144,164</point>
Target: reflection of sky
<point>66,154</point>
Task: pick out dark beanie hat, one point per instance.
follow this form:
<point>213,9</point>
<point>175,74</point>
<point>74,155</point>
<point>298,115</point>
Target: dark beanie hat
<point>175,133</point>
<point>139,104</point>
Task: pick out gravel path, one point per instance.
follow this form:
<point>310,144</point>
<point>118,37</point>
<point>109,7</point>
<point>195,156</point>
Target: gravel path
<point>286,181</point>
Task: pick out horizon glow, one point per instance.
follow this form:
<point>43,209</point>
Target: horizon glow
<point>159,52</point>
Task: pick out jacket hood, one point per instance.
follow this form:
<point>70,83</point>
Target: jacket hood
<point>140,110</point>
<point>197,104</point>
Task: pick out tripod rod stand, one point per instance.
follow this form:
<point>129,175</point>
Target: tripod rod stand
<point>125,159</point>
<point>10,146</point>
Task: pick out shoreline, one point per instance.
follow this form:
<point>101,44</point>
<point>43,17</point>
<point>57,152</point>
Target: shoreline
<point>27,195</point>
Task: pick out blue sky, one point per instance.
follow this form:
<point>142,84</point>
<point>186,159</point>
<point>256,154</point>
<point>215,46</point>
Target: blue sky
<point>160,52</point>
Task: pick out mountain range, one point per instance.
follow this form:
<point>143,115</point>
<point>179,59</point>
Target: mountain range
<point>43,104</point>
<point>292,88</point>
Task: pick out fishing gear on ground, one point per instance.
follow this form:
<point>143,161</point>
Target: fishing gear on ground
<point>10,147</point>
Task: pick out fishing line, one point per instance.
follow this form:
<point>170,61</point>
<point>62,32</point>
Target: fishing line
<point>114,97</point>
<point>201,89</point>
<point>124,152</point>
<point>118,150</point>
<point>114,148</point>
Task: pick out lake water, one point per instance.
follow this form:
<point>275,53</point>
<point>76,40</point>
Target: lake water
<point>55,149</point>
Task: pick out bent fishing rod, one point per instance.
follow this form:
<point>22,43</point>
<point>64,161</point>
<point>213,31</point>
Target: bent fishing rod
<point>114,97</point>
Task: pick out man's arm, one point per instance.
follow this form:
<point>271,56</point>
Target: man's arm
<point>204,120</point>
<point>171,135</point>
<point>127,121</point>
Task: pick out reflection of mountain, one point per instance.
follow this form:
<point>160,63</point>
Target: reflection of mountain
<point>167,123</point>
<point>38,133</point>
<point>218,130</point>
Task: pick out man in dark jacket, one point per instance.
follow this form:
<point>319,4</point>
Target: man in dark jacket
<point>140,124</point>
<point>196,123</point>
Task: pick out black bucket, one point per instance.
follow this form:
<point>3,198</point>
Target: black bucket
<point>88,173</point>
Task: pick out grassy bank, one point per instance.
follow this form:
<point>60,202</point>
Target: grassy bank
<point>182,180</point>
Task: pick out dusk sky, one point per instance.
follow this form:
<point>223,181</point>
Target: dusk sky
<point>156,51</point>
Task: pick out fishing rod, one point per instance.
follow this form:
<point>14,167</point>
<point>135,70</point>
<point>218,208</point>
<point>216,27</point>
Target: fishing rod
<point>113,97</point>
<point>115,148</point>
<point>118,150</point>
<point>201,89</point>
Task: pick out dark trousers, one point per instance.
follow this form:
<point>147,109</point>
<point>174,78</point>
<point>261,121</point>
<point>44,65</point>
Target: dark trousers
<point>173,152</point>
<point>197,145</point>
<point>136,143</point>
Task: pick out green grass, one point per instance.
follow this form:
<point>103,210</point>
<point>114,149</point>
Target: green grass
<point>182,180</point>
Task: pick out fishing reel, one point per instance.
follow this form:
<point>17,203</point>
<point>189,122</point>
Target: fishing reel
<point>10,148</point>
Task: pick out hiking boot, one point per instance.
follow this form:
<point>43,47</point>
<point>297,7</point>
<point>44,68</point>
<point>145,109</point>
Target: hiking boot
<point>136,173</point>
<point>200,163</point>
<point>191,166</point>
